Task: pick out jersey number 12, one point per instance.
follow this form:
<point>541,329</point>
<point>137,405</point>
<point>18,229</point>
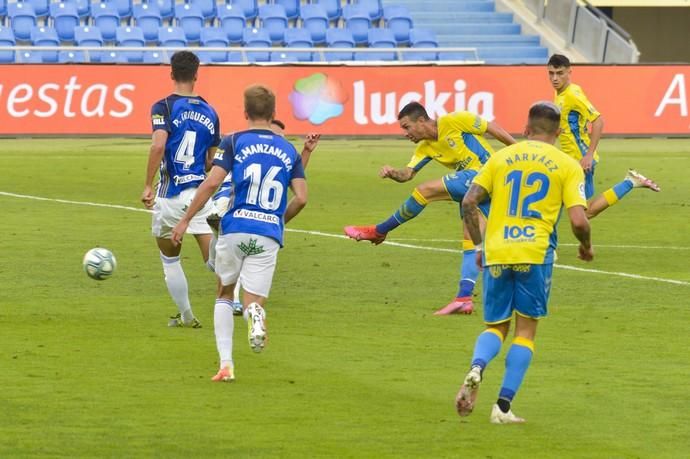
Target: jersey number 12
<point>514,181</point>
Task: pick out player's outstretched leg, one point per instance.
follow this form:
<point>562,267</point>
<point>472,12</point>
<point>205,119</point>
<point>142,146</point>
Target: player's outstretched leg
<point>256,324</point>
<point>608,198</point>
<point>640,181</point>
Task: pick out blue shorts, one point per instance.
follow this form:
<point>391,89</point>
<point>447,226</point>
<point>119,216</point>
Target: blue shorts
<point>521,288</point>
<point>458,184</point>
<point>589,182</point>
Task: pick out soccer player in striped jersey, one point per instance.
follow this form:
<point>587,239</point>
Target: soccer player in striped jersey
<point>528,183</point>
<point>576,114</point>
<point>263,166</point>
<point>456,141</point>
<point>186,132</point>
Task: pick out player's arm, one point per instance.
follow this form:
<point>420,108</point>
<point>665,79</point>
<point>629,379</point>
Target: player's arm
<point>298,201</point>
<point>156,151</point>
<point>399,175</point>
<point>470,209</point>
<point>210,153</point>
<point>310,143</point>
<point>499,133</point>
<point>582,231</point>
<point>594,137</point>
<point>203,194</point>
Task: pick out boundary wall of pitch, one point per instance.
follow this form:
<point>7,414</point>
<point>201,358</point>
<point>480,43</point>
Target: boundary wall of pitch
<point>352,100</point>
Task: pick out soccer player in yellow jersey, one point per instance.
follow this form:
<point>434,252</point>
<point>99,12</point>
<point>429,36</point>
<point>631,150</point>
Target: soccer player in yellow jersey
<point>576,114</point>
<point>529,183</point>
<point>455,141</point>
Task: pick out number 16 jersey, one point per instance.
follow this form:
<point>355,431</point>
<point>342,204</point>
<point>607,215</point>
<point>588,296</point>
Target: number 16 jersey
<point>529,182</point>
<point>262,165</point>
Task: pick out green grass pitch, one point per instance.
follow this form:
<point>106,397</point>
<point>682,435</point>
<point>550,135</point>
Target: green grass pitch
<point>356,365</point>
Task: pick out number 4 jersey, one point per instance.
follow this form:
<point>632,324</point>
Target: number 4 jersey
<point>529,182</point>
<point>262,165</point>
<point>193,127</point>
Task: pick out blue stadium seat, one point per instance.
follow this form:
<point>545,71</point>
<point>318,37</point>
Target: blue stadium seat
<point>333,8</point>
<point>292,7</point>
<point>380,38</point>
<point>113,57</point>
<point>131,36</point>
<point>274,20</point>
<point>45,36</point>
<point>518,53</point>
<point>315,20</point>
<point>339,38</point>
<point>30,57</point>
<point>207,7</point>
<point>250,8</point>
<point>3,10</point>
<point>166,8</point>
<point>257,38</point>
<point>357,21</point>
<point>172,36</point>
<point>83,7</point>
<point>148,17</point>
<point>214,37</point>
<point>65,19</point>
<point>190,18</point>
<point>123,7</point>
<point>282,56</point>
<point>89,36</point>
<point>6,39</point>
<point>106,18</point>
<point>456,56</point>
<point>40,7</point>
<point>398,19</point>
<point>299,38</point>
<point>155,57</point>
<point>372,7</point>
<point>23,19</point>
<point>232,21</point>
<point>72,57</point>
<point>422,38</point>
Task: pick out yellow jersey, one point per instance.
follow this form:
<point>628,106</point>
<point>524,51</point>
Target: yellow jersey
<point>576,112</point>
<point>528,182</point>
<point>460,144</point>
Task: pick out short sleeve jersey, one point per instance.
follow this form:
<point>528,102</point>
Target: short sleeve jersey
<point>529,182</point>
<point>193,127</point>
<point>460,144</point>
<point>262,165</point>
<point>576,113</point>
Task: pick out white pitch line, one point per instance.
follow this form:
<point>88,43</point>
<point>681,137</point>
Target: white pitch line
<point>339,236</point>
<point>565,244</point>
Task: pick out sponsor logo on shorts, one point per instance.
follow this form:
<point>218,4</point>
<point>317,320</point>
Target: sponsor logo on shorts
<point>252,248</point>
<point>258,216</point>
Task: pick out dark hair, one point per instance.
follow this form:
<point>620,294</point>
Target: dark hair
<point>259,103</point>
<point>278,123</point>
<point>559,60</point>
<point>414,110</point>
<point>544,118</point>
<point>185,65</point>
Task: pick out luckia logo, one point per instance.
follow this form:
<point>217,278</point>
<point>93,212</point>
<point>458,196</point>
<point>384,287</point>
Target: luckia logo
<point>317,98</point>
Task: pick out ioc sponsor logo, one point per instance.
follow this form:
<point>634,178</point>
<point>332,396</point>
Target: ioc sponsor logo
<point>518,232</point>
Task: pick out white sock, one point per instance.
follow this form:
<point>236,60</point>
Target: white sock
<point>211,263</point>
<point>224,325</point>
<point>177,286</point>
<point>236,294</point>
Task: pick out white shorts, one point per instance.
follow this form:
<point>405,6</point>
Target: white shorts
<point>221,205</point>
<point>167,212</point>
<point>248,257</point>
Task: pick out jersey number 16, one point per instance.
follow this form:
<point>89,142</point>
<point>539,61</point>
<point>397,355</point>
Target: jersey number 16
<point>266,192</point>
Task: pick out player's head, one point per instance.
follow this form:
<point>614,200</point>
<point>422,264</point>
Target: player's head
<point>259,103</point>
<point>185,65</point>
<point>413,120</point>
<point>543,121</point>
<point>559,71</point>
<point>278,127</point>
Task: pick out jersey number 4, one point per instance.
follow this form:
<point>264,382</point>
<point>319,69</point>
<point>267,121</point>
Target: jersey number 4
<point>266,192</point>
<point>514,181</point>
<point>185,151</point>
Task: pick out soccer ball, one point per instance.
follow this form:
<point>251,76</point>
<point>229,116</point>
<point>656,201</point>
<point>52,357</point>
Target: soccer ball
<point>99,263</point>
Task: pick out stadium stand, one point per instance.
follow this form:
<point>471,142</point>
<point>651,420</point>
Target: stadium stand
<point>45,36</point>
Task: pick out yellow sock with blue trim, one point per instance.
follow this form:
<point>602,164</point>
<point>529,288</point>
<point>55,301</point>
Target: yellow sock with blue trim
<point>616,193</point>
<point>517,362</point>
<point>487,346</point>
<point>413,206</point>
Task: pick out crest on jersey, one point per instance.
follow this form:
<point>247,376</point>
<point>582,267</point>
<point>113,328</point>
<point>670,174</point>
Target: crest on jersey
<point>451,142</point>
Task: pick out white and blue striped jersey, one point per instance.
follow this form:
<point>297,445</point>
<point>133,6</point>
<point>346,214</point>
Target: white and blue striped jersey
<point>193,127</point>
<point>262,165</point>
